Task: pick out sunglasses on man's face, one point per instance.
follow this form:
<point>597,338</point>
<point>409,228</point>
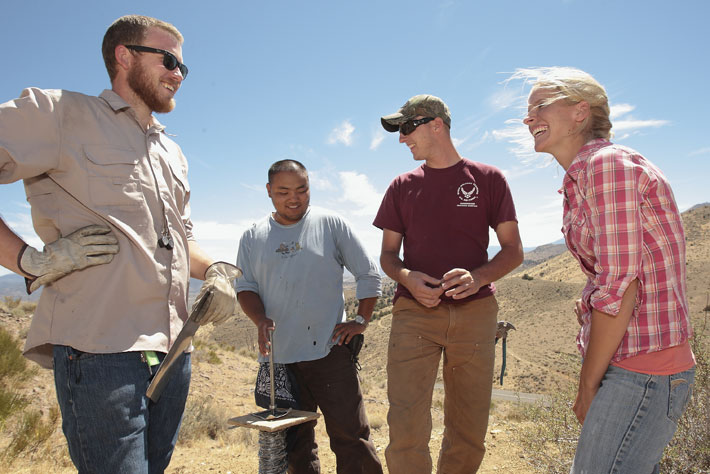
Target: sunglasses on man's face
<point>169,60</point>
<point>408,127</point>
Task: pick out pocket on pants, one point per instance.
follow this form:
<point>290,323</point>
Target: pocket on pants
<point>404,347</point>
<point>477,353</point>
<point>680,391</point>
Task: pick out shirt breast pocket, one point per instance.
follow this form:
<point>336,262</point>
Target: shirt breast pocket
<point>114,176</point>
<point>180,186</point>
<point>575,230</point>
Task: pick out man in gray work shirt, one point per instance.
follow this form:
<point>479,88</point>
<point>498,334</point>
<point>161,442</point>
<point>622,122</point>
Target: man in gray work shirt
<point>293,285</point>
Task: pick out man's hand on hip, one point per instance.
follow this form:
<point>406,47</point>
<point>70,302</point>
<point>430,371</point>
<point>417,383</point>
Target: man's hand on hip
<point>425,289</point>
<point>219,278</point>
<point>89,246</point>
<point>459,283</point>
<point>346,331</point>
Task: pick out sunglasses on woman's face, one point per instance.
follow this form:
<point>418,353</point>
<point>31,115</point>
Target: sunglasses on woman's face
<point>169,60</point>
<point>408,127</point>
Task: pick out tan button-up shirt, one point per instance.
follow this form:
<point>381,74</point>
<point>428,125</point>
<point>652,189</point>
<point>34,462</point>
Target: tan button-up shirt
<point>86,160</point>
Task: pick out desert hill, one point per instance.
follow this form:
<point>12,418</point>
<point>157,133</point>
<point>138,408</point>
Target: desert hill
<point>542,358</point>
<point>541,254</point>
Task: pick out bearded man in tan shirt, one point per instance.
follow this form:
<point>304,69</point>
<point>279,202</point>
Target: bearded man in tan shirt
<point>110,199</point>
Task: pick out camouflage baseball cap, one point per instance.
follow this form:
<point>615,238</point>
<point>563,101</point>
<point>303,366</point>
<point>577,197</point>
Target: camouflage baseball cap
<point>424,104</point>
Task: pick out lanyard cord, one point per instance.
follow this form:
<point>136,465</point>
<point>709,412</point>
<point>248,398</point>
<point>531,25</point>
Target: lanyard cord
<point>165,240</point>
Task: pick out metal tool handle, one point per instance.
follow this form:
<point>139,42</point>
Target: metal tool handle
<point>182,342</point>
<point>272,404</point>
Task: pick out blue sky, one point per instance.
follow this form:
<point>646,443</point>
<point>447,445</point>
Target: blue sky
<point>309,80</point>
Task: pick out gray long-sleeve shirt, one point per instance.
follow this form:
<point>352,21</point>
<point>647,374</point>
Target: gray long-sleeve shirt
<point>297,271</point>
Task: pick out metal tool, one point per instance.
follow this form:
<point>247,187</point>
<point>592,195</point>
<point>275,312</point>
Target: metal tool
<point>502,333</point>
<point>272,413</point>
<point>182,342</point>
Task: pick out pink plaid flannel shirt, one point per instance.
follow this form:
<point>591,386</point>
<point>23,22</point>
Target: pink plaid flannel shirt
<point>621,222</point>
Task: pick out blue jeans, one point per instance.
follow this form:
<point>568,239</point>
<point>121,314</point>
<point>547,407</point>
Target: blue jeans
<point>109,423</point>
<point>630,422</point>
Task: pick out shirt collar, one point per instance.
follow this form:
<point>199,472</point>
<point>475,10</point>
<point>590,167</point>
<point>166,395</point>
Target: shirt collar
<point>583,155</point>
<point>117,103</point>
<point>580,161</point>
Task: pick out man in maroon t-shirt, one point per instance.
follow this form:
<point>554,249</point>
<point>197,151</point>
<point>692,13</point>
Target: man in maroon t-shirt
<point>444,301</point>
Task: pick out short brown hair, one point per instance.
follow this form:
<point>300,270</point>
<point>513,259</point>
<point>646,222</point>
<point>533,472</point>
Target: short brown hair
<point>130,29</point>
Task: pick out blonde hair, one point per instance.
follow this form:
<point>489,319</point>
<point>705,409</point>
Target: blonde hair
<point>574,86</point>
<point>130,29</point>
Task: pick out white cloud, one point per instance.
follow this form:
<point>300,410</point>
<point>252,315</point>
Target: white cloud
<point>254,187</point>
<point>343,133</point>
<point>377,138</point>
<point>539,213</point>
<point>701,151</point>
<point>617,110</point>
<point>460,142</point>
<point>319,181</point>
<point>221,240</point>
<point>215,231</point>
<point>518,171</point>
<point>632,124</point>
<point>519,137</point>
<point>504,99</point>
<point>369,235</point>
<point>21,224</point>
<point>357,190</point>
<point>541,224</point>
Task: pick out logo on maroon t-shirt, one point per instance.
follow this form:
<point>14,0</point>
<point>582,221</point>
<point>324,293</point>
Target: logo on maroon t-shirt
<point>467,193</point>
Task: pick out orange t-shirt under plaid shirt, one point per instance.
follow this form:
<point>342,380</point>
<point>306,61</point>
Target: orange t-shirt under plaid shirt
<point>621,223</point>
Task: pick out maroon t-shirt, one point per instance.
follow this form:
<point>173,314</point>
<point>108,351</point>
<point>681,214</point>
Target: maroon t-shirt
<point>444,216</point>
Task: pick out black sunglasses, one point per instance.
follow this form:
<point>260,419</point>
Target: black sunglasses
<point>169,60</point>
<point>408,127</point>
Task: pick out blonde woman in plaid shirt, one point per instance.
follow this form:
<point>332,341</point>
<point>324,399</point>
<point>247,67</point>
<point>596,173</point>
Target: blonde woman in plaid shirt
<point>622,225</point>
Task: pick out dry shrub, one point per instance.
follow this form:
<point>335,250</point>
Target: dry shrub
<point>17,307</point>
<point>549,435</point>
<point>32,432</point>
<point>689,450</point>
<point>248,353</point>
<point>202,419</point>
<point>13,368</point>
<point>12,364</point>
<point>10,403</point>
<point>11,302</point>
<point>377,419</point>
<point>213,358</point>
<point>27,307</point>
<point>28,430</point>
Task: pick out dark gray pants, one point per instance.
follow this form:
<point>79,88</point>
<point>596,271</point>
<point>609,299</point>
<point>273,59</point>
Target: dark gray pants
<point>331,384</point>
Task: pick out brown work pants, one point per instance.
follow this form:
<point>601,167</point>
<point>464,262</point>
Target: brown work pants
<point>465,333</point>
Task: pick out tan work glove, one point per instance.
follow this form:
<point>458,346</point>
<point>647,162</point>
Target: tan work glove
<point>86,247</point>
<point>219,278</point>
